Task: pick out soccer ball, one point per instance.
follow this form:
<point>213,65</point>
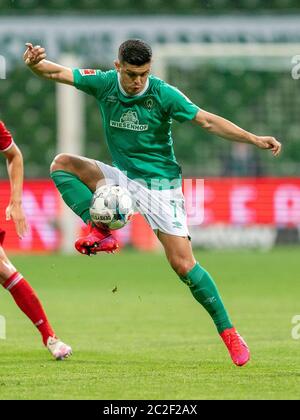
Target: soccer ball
<point>111,205</point>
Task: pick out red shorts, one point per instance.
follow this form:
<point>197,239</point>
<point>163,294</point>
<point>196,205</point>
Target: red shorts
<point>2,235</point>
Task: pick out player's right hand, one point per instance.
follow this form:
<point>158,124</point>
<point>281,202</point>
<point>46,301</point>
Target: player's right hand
<point>15,212</point>
<point>34,54</point>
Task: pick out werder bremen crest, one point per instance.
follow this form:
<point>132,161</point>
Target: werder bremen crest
<point>149,103</point>
<point>129,121</point>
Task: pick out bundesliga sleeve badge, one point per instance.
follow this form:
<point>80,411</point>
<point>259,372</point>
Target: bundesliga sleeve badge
<point>88,72</point>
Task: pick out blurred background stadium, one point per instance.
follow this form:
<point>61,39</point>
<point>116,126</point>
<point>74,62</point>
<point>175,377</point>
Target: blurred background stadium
<point>234,58</point>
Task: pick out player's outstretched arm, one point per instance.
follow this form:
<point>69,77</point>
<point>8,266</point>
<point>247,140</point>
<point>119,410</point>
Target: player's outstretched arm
<point>15,170</point>
<point>34,58</point>
<point>226,129</point>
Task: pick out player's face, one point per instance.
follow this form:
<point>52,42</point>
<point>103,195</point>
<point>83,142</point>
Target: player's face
<point>133,78</point>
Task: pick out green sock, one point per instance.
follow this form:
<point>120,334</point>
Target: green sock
<point>74,193</point>
<point>205,292</point>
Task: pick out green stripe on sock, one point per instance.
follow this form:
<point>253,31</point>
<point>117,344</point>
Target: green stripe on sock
<point>205,291</point>
<point>74,193</point>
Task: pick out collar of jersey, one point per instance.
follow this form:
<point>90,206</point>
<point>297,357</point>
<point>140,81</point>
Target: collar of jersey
<point>132,96</point>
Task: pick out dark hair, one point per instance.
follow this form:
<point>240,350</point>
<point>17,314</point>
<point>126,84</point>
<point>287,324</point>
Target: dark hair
<point>135,51</point>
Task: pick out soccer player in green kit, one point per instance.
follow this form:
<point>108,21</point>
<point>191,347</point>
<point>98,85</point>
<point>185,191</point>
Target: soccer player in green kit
<point>137,111</point>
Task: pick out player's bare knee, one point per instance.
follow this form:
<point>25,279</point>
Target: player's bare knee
<point>181,265</point>
<point>61,162</point>
<point>6,269</point>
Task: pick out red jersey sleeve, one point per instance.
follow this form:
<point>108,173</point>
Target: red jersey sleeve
<point>6,140</point>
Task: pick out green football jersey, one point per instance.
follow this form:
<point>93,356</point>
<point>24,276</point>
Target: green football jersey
<point>138,128</point>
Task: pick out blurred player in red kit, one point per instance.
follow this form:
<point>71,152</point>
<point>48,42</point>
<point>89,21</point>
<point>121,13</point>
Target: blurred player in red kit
<point>23,294</point>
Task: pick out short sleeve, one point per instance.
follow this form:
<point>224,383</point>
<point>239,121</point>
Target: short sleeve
<point>177,105</point>
<point>93,82</point>
<point>6,140</point>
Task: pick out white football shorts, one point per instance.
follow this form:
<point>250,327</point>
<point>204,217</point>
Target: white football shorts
<point>164,210</point>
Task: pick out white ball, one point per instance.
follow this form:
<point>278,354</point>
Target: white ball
<point>111,205</point>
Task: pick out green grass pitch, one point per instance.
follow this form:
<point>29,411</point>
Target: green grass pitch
<point>149,339</point>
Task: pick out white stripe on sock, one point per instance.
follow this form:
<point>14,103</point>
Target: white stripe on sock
<point>15,281</point>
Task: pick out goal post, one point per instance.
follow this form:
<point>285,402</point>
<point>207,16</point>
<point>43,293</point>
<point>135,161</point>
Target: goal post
<point>70,139</point>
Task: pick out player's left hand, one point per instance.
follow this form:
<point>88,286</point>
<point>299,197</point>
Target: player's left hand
<point>16,213</point>
<point>270,143</point>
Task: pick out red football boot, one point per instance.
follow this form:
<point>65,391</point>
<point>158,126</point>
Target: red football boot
<point>99,239</point>
<point>237,347</point>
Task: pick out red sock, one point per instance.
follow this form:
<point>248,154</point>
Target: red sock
<point>27,300</point>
